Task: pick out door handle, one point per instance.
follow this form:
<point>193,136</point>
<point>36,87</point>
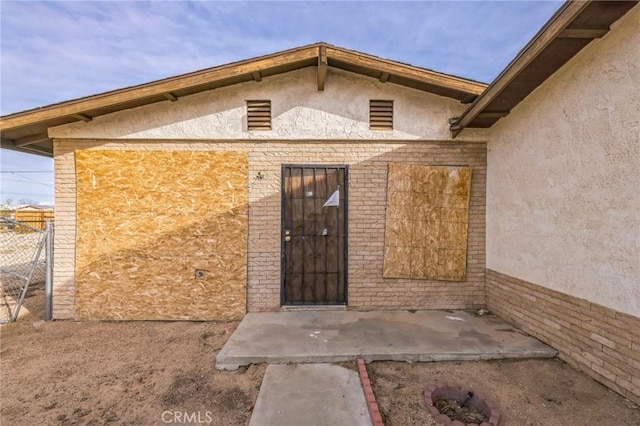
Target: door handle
<point>287,238</point>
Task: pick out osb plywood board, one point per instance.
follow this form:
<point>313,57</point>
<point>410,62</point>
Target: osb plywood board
<point>146,220</point>
<point>426,222</point>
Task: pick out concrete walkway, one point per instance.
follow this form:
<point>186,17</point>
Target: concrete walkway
<point>310,394</point>
<point>333,336</point>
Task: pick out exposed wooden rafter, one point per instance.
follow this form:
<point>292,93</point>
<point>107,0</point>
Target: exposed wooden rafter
<point>384,77</point>
<point>405,71</point>
<point>257,77</point>
<point>32,149</point>
<point>322,66</point>
<point>83,117</point>
<point>468,99</point>
<point>170,96</point>
<point>583,33</point>
<point>552,29</point>
<point>30,140</point>
<point>38,150</point>
<point>493,114</point>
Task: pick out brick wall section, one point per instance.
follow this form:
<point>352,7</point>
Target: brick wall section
<point>65,238</point>
<point>367,203</point>
<point>598,340</point>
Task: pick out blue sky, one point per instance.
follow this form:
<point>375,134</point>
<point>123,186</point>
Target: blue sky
<point>56,51</point>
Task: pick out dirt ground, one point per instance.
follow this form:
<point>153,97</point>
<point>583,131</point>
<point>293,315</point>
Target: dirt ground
<point>135,373</point>
<point>526,392</point>
<point>144,373</point>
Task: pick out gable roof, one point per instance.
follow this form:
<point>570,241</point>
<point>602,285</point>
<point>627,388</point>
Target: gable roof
<point>27,130</point>
<point>569,30</point>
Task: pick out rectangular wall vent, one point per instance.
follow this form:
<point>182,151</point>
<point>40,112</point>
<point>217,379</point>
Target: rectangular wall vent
<point>380,115</point>
<point>258,115</point>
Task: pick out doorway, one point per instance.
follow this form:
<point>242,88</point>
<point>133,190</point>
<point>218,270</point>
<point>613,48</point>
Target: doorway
<point>314,235</point>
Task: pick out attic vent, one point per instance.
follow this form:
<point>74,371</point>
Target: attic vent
<point>380,115</point>
<point>259,115</point>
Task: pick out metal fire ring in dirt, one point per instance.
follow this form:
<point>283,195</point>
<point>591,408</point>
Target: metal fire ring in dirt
<point>464,397</point>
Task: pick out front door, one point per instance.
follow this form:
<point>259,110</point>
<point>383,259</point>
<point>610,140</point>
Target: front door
<point>314,235</point>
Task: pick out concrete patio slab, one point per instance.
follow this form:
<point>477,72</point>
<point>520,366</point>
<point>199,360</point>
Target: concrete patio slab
<point>333,336</point>
<point>310,394</point>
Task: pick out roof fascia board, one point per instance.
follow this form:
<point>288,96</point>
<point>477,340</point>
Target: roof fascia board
<point>403,70</point>
<point>549,32</point>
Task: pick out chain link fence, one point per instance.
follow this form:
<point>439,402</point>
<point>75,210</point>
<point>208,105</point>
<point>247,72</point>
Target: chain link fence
<point>25,259</point>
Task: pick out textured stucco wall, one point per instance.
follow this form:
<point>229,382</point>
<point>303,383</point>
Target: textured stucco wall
<point>299,111</point>
<point>563,198</point>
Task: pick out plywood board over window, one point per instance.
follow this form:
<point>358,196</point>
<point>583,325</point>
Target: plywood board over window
<point>427,221</point>
<point>147,220</point>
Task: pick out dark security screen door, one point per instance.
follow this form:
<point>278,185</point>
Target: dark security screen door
<point>314,235</point>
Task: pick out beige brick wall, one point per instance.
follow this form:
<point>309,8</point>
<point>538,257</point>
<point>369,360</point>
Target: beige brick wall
<point>598,340</point>
<point>367,201</point>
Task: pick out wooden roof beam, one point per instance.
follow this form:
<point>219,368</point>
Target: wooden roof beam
<point>38,150</point>
<point>552,29</point>
<point>493,114</point>
<point>83,117</point>
<point>30,140</point>
<point>170,96</point>
<point>384,77</point>
<point>322,66</point>
<point>468,99</point>
<point>257,77</point>
<point>590,33</point>
<point>405,71</point>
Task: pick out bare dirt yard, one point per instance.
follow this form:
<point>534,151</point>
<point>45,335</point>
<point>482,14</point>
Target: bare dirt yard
<point>154,373</point>
<point>526,392</point>
<point>121,373</point>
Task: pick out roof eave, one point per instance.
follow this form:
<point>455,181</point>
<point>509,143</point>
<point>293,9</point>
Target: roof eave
<point>558,22</point>
<point>560,39</point>
<point>26,130</point>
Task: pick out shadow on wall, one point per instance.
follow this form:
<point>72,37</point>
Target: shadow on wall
<point>167,244</point>
<point>197,271</point>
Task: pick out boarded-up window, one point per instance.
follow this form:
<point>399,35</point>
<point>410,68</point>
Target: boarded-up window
<point>147,220</point>
<point>380,115</point>
<point>426,226</point>
<point>259,115</point>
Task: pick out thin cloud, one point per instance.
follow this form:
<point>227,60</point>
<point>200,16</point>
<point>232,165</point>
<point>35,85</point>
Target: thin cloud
<point>54,51</point>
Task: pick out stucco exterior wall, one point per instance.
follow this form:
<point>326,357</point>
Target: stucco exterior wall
<point>563,205</point>
<point>299,111</point>
<point>368,163</point>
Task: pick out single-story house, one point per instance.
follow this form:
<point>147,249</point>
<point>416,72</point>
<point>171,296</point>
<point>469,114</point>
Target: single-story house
<point>321,176</point>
